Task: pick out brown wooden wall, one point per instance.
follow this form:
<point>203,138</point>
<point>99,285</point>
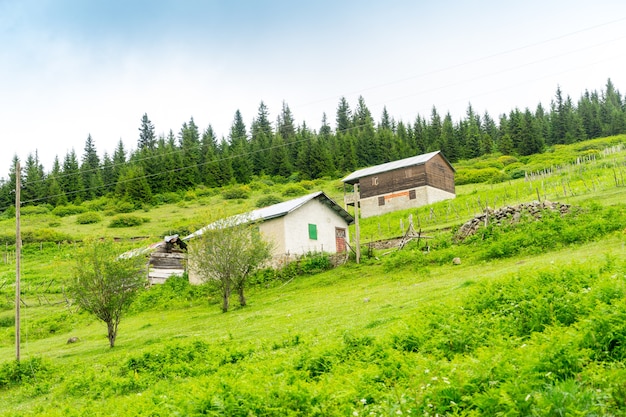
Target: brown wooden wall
<point>436,172</point>
<point>439,174</point>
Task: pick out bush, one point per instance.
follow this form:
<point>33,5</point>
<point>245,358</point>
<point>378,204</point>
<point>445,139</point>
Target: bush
<point>166,198</point>
<point>124,207</point>
<point>127,220</point>
<point>29,210</point>
<point>235,193</point>
<point>99,204</point>
<point>294,191</point>
<point>44,235</point>
<point>69,210</point>
<point>88,218</point>
<point>474,176</point>
<point>268,200</point>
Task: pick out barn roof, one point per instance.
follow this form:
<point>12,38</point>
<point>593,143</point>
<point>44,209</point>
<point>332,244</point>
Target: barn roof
<point>279,210</point>
<point>390,166</point>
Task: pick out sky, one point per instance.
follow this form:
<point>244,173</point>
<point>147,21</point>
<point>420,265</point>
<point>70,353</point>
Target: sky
<point>74,68</point>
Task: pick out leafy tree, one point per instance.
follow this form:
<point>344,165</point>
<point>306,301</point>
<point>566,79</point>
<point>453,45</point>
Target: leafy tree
<point>104,284</point>
<point>226,254</point>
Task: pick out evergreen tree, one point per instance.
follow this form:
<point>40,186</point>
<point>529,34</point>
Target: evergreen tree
<point>505,142</point>
<point>225,160</point>
<point>589,110</point>
<point>7,187</point>
<point>367,150</point>
<point>472,135</point>
<point>533,141</point>
<point>119,160</point>
<point>285,126</point>
<point>90,171</point>
<point>612,111</point>
<point>133,186</point>
<point>108,174</point>
<point>56,196</point>
<point>147,137</point>
<point>34,187</point>
<point>279,161</point>
<point>344,117</point>
<point>71,180</point>
<point>451,147</point>
<point>419,136</point>
<point>240,150</point>
<point>433,132</point>
<point>191,154</point>
<point>260,139</point>
<point>209,166</point>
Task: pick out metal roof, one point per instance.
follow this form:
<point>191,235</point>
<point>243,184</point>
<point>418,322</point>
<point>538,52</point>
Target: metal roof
<point>390,166</point>
<point>279,210</point>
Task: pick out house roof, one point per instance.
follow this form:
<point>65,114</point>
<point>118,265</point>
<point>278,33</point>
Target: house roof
<point>279,210</point>
<point>390,166</point>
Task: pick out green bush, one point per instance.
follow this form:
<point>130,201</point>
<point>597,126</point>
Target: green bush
<point>124,207</point>
<point>235,193</point>
<point>15,373</point>
<point>268,200</point>
<point>294,191</point>
<point>166,198</point>
<point>474,176</point>
<point>88,218</point>
<point>127,220</point>
<point>69,210</point>
<point>30,210</point>
<point>98,204</point>
<point>44,235</point>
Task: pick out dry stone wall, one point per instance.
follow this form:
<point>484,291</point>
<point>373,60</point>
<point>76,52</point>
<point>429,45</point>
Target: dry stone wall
<point>511,214</point>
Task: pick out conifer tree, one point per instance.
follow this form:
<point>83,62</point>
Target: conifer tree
<point>240,150</point>
<point>190,152</point>
<point>90,170</point>
<point>71,180</point>
<point>260,139</point>
<point>209,167</point>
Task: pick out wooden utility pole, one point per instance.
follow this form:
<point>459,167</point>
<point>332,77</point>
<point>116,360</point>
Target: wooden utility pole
<point>18,250</point>
<point>357,230</point>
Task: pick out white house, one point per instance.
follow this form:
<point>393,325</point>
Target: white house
<point>311,223</point>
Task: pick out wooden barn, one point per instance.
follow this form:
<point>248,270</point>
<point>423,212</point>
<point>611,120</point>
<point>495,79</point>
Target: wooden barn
<point>398,185</point>
<point>165,259</point>
<point>311,223</point>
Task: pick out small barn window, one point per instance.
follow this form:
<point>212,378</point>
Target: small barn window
<point>374,180</point>
<point>381,201</point>
<point>412,195</point>
<point>312,231</point>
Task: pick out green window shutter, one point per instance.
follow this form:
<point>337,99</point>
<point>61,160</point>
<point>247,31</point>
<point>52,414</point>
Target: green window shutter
<point>312,231</point>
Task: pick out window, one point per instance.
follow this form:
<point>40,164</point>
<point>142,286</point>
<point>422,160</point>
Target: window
<point>412,195</point>
<point>312,231</point>
<point>381,201</point>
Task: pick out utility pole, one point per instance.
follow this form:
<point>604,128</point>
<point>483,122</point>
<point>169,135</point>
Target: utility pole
<point>357,229</point>
<point>18,251</point>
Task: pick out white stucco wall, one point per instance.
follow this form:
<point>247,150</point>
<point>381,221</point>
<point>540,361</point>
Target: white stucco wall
<point>400,201</point>
<point>296,229</point>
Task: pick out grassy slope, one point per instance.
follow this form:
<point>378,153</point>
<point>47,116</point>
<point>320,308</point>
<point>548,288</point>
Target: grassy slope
<point>284,325</point>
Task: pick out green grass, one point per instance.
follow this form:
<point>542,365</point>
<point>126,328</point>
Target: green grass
<point>536,328</point>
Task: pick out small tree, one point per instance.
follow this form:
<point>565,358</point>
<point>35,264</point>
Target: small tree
<point>105,284</point>
<point>226,254</point>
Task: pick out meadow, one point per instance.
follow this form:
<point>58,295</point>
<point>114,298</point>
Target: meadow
<point>531,322</point>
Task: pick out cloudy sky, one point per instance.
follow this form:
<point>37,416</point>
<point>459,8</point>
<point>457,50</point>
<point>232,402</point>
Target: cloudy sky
<point>70,68</point>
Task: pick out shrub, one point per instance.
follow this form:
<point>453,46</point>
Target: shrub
<point>294,191</point>
<point>124,207</point>
<point>507,160</point>
<point>99,204</point>
<point>44,235</point>
<point>29,210</point>
<point>474,176</point>
<point>166,198</point>
<point>69,210</point>
<point>268,200</point>
<point>127,220</point>
<point>88,218</point>
<point>235,193</point>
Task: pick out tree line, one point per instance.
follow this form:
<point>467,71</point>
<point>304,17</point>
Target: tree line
<point>288,151</point>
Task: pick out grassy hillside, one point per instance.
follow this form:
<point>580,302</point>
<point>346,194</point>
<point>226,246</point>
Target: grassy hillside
<point>532,322</point>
